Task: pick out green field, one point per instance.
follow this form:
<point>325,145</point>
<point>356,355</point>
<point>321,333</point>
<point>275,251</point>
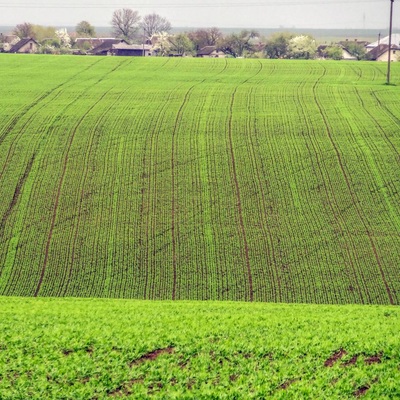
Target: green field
<point>103,349</point>
<point>253,180</point>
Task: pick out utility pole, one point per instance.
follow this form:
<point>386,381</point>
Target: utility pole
<point>390,42</point>
<point>144,37</point>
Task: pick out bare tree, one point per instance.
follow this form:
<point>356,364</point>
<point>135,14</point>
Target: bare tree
<point>214,36</point>
<point>154,23</point>
<point>125,23</point>
<point>239,44</point>
<point>205,37</point>
<point>24,30</point>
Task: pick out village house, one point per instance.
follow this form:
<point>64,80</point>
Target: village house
<point>346,45</point>
<point>322,52</point>
<point>346,42</point>
<point>381,53</point>
<point>27,46</point>
<point>105,48</point>
<point>132,50</point>
<point>210,52</point>
<point>346,55</point>
<point>89,43</point>
<point>379,50</point>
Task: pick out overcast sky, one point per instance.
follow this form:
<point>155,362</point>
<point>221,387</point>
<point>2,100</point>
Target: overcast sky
<point>350,14</point>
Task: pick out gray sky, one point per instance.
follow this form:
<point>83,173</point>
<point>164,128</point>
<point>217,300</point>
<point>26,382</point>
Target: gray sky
<point>337,14</point>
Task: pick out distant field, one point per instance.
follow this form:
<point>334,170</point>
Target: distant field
<point>104,349</point>
<point>199,179</point>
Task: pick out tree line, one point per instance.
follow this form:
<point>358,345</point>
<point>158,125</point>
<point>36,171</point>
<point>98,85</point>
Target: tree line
<point>154,29</point>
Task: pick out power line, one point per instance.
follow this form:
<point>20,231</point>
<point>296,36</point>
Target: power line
<point>185,5</point>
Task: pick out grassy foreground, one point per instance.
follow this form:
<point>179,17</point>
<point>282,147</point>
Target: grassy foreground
<point>99,349</point>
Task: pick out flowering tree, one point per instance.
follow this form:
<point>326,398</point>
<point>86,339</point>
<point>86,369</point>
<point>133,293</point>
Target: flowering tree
<point>161,44</point>
<point>302,46</point>
<point>64,38</point>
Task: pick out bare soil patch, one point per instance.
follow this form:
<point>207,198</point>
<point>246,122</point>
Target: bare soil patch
<point>153,355</point>
<point>334,358</point>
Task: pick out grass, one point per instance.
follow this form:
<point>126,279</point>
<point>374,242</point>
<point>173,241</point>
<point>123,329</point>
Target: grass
<point>100,349</point>
<point>253,180</point>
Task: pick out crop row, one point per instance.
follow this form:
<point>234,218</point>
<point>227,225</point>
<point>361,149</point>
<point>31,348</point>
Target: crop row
<point>201,179</point>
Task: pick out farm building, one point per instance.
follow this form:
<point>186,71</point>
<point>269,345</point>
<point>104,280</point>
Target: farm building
<point>133,50</point>
<point>347,56</point>
<point>88,43</point>
<point>105,47</point>
<point>27,45</point>
<point>381,53</point>
<point>210,52</point>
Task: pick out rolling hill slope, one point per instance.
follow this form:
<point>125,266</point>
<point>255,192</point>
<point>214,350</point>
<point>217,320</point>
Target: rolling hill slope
<point>253,180</point>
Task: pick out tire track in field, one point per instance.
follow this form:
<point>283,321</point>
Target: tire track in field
<point>339,219</point>
<point>19,134</point>
<point>173,201</point>
<point>357,71</point>
<point>29,107</point>
<point>173,206</point>
<point>380,72</point>
<point>236,184</point>
<point>9,126</point>
<point>60,184</point>
<point>267,232</point>
<point>24,109</point>
<point>372,164</point>
<point>9,261</point>
<point>147,203</point>
<point>37,151</point>
<point>83,184</point>
<point>238,197</point>
<point>63,173</point>
<point>347,181</point>
<point>333,206</point>
<point>16,194</point>
<point>392,115</point>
